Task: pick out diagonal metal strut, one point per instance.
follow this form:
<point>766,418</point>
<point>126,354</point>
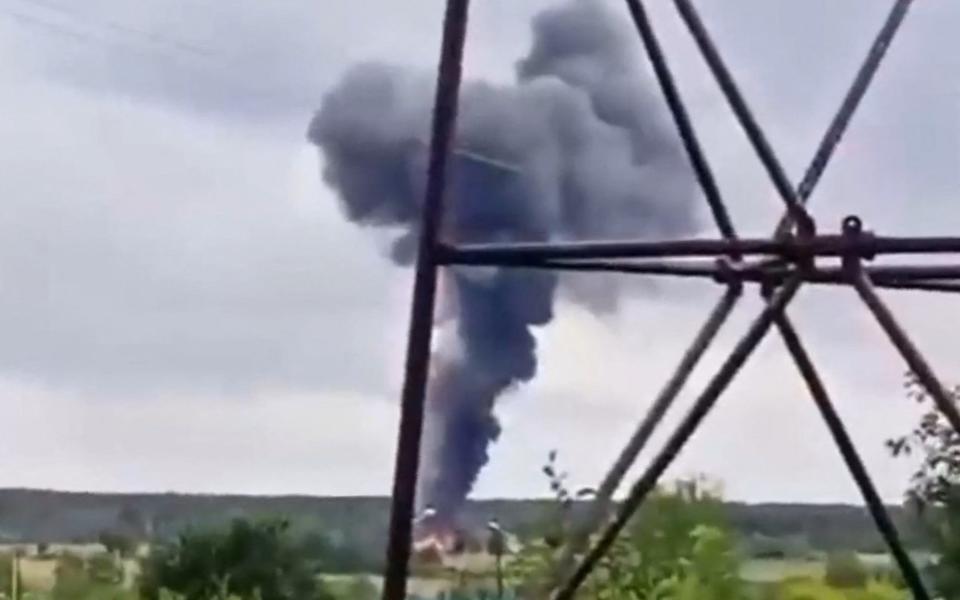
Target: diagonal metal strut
<point>848,107</point>
<point>745,116</point>
<point>603,501</point>
<point>785,260</point>
<point>688,426</point>
<point>913,357</point>
<point>851,458</point>
<point>701,166</point>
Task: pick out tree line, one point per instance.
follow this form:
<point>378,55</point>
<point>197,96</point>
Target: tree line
<point>683,544</point>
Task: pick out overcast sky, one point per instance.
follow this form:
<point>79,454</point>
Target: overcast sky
<point>183,307</point>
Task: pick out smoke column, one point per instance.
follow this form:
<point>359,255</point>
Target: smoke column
<point>576,148</point>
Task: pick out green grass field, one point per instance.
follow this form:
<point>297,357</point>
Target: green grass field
<point>39,576</point>
<point>773,570</point>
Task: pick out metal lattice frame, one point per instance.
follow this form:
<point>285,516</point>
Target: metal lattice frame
<point>780,264</point>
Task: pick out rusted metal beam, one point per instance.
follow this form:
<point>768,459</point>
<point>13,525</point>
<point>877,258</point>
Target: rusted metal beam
<point>399,544</point>
<point>745,116</point>
<point>800,250</point>
<point>681,119</point>
<point>602,504</point>
<point>920,286</point>
<point>740,272</point>
<point>851,458</point>
<point>518,254</point>
<point>885,272</point>
<point>522,254</point>
<point>848,107</point>
<point>675,444</point>
<point>667,268</point>
<point>913,357</point>
<point>755,271</point>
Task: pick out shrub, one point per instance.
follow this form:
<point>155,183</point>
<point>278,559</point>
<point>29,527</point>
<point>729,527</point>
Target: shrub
<point>359,588</point>
<point>117,543</point>
<point>805,588</point>
<point>248,559</point>
<point>104,568</point>
<point>888,575</point>
<point>76,582</point>
<point>846,570</point>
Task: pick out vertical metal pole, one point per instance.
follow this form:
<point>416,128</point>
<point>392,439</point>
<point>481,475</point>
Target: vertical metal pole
<point>424,298</point>
<point>852,459</point>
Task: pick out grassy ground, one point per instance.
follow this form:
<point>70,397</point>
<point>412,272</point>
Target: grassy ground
<point>38,574</point>
<point>773,570</point>
<point>756,571</point>
<point>426,587</point>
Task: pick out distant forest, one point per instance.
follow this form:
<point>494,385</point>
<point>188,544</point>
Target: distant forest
<point>358,525</point>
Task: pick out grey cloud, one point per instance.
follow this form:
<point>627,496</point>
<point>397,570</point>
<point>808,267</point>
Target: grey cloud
<point>250,58</point>
<point>144,246</point>
<point>794,60</point>
<point>150,250</point>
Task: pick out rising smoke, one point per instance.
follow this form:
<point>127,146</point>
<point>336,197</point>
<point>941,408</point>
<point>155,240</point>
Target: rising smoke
<point>576,148</point>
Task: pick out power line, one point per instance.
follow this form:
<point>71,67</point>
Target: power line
<point>186,60</point>
<point>154,37</point>
<point>84,37</point>
<point>31,21</point>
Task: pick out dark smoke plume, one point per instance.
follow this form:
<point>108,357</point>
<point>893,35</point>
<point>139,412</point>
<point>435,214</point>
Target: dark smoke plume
<point>576,148</point>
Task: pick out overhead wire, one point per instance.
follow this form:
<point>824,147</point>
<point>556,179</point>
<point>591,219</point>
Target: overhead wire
<point>117,26</point>
<point>92,36</point>
<point>187,56</point>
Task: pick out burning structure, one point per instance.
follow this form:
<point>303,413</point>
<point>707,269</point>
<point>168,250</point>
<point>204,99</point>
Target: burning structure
<point>434,537</point>
<point>464,547</point>
<point>575,148</point>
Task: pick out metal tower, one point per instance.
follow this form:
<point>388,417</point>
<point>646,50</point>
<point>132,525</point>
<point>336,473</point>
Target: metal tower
<point>779,264</point>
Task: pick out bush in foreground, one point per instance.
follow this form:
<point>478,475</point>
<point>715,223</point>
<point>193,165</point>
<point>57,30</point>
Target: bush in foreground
<point>845,570</point>
<point>812,589</point>
<point>248,560</point>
